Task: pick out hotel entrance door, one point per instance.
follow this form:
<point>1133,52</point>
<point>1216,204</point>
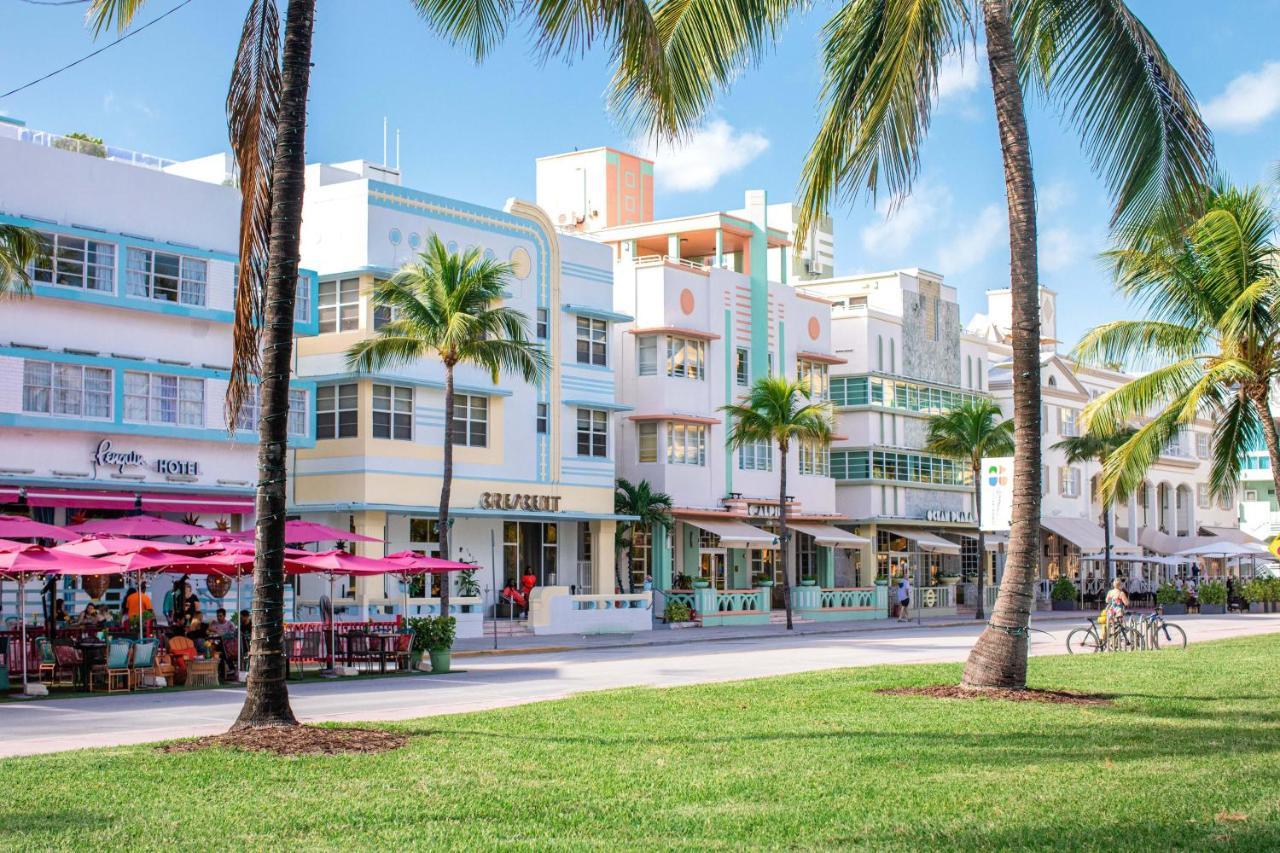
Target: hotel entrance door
<point>530,546</point>
<point>713,568</point>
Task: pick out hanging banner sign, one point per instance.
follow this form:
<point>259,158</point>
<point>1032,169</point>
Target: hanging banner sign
<point>997,493</point>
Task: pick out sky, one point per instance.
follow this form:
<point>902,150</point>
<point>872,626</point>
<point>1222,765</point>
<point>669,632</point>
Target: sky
<point>472,131</point>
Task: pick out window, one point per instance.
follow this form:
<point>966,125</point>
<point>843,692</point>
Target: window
<point>815,459</point>
<point>742,367</point>
<point>471,420</point>
<point>893,358</point>
<point>647,442</point>
<point>593,432</point>
<point>895,394</point>
<point>1044,480</point>
<point>75,262</point>
<point>756,456</point>
<point>1203,498</point>
<point>686,444</point>
<point>251,410</point>
<point>1044,419</point>
<point>165,277</point>
<point>337,411</point>
<point>641,555</point>
<point>542,324</point>
<point>1203,445</point>
<point>542,419</point>
<point>1069,482</point>
<point>340,305</point>
<point>1067,422</point>
<point>301,300</point>
<point>879,353</point>
<point>898,466</point>
<point>647,355</point>
<point>158,398</point>
<point>1226,501</point>
<point>968,363</point>
<point>51,388</point>
<point>686,358</point>
<point>393,412</point>
<point>383,314</point>
<point>816,375</point>
<point>593,345</point>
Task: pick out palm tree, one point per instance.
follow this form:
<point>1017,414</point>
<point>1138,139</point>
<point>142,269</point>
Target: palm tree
<point>1092,58</point>
<point>19,249</point>
<point>650,507</point>
<point>1210,342</point>
<point>968,433</point>
<point>266,120</point>
<point>1093,446</point>
<point>781,412</point>
<point>444,307</point>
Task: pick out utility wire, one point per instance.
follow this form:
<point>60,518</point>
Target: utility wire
<point>69,65</point>
<point>54,2</point>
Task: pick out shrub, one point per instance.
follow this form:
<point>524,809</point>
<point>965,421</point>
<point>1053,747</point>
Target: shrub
<point>1214,592</point>
<point>1256,590</point>
<point>433,633</point>
<point>682,581</point>
<point>1169,594</point>
<point>677,611</point>
<point>468,586</point>
<point>1063,590</point>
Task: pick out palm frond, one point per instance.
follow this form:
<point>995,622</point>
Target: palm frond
<point>1138,342</point>
<point>1140,123</point>
<point>880,73</point>
<point>104,14</point>
<point>1114,410</point>
<point>477,25</point>
<point>1236,431</point>
<point>20,248</point>
<point>969,432</point>
<point>253,106</point>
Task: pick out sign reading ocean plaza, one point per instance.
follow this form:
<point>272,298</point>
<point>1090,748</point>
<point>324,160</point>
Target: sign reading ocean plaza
<point>525,503</point>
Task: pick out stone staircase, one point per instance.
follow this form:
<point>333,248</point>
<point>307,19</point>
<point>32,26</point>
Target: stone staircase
<point>507,628</point>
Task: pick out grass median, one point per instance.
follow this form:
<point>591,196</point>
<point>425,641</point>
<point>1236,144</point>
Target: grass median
<point>1186,755</point>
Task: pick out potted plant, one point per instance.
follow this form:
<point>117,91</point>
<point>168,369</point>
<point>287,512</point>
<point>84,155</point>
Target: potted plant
<point>677,611</point>
<point>701,583</point>
<point>1255,593</point>
<point>433,635</point>
<point>762,580</point>
<point>1213,598</point>
<point>468,586</point>
<point>1171,599</point>
<point>1063,594</point>
<point>682,581</point>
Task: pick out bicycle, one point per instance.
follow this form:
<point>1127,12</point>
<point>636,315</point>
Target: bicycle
<point>1124,636</point>
<point>1085,639</point>
<point>1163,634</point>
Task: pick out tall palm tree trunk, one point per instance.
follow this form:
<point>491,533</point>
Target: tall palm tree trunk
<point>1106,540</point>
<point>266,700</point>
<point>446,486</point>
<point>1262,405</point>
<point>782,535</point>
<point>979,611</point>
<point>999,658</point>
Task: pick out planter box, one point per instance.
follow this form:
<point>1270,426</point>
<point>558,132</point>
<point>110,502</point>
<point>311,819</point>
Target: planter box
<point>1175,609</point>
<point>1065,605</point>
<point>1212,609</point>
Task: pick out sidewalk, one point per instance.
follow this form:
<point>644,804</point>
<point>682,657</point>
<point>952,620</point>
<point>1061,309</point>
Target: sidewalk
<point>662,635</point>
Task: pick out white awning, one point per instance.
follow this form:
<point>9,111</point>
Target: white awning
<point>829,536</point>
<point>993,540</point>
<point>928,542</point>
<point>735,534</point>
<point>1238,536</point>
<point>1086,535</point>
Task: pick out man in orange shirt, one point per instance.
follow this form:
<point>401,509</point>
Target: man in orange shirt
<point>137,602</point>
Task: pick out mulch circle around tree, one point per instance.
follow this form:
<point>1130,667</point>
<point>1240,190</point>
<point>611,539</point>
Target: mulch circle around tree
<point>296,740</point>
<point>955,691</point>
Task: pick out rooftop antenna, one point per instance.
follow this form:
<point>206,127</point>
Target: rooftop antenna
<point>397,149</point>
<point>384,140</point>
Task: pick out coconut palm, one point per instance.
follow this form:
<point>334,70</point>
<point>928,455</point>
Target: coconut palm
<point>266,120</point>
<point>1209,345</point>
<point>968,433</point>
<point>19,249</point>
<point>445,307</point>
<point>1093,59</point>
<point>651,508</point>
<point>780,411</point>
<point>1093,446</point>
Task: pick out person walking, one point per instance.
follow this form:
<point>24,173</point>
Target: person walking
<point>904,599</point>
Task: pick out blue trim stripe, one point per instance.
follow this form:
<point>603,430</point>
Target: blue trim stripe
<point>393,379</point>
<point>607,405</point>
<point>592,274</point>
<point>597,313</point>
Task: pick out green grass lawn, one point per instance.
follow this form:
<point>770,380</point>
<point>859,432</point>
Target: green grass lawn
<point>1188,757</point>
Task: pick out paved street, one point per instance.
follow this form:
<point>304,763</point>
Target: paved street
<point>503,680</point>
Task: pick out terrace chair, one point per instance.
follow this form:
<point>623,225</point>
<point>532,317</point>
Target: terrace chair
<point>114,674</point>
<point>181,650</point>
<point>48,663</point>
<point>144,662</point>
<point>404,650</point>
<point>67,660</point>
<point>302,648</point>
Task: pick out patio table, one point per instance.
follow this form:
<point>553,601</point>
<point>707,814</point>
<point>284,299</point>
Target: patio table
<point>370,645</point>
<point>92,652</point>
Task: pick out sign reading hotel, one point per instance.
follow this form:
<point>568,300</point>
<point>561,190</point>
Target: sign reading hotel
<point>106,456</point>
<point>997,493</point>
<point>523,503</point>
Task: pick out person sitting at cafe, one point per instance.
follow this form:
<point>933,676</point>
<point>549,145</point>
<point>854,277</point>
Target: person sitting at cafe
<point>136,603</point>
<point>220,627</point>
<point>198,632</point>
<point>90,617</point>
<point>60,614</point>
<point>190,602</point>
<point>514,597</point>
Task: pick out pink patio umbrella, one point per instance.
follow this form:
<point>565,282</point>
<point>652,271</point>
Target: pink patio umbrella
<point>21,527</point>
<point>140,525</point>
<point>34,561</point>
<point>413,563</point>
<point>10,545</point>
<point>151,560</point>
<point>98,546</point>
<point>299,532</point>
<point>330,564</point>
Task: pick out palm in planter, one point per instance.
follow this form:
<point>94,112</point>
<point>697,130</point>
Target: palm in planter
<point>970,432</point>
<point>652,508</point>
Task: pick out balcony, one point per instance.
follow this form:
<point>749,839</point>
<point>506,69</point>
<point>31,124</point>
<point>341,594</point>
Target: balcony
<point>88,147</point>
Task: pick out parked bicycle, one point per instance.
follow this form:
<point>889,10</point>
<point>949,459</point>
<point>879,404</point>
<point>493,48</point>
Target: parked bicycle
<point>1162,634</point>
<point>1132,633</point>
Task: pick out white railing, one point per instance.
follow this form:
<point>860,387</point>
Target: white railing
<point>617,601</point>
<point>94,149</point>
<point>660,260</point>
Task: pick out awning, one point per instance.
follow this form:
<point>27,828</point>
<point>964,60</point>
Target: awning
<point>128,500</point>
<point>928,542</point>
<point>828,535</point>
<point>1166,543</point>
<point>1234,534</point>
<point>1086,535</point>
<point>992,540</point>
<point>735,534</point>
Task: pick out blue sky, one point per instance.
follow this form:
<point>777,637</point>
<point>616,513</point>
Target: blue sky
<point>472,132</point>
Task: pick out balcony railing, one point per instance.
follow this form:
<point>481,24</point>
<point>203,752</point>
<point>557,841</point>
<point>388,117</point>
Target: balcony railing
<point>93,149</point>
<point>659,260</point>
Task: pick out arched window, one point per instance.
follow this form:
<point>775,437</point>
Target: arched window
<point>1053,382</point>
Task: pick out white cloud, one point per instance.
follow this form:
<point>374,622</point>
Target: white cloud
<point>707,156</point>
<point>1053,197</point>
<point>960,73</point>
<point>1059,248</point>
<point>904,220</point>
<point>1248,100</point>
<point>970,247</point>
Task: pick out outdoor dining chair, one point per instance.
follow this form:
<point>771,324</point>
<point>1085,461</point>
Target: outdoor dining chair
<point>143,664</point>
<point>114,674</point>
<point>404,650</point>
<point>67,662</point>
<point>48,663</point>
